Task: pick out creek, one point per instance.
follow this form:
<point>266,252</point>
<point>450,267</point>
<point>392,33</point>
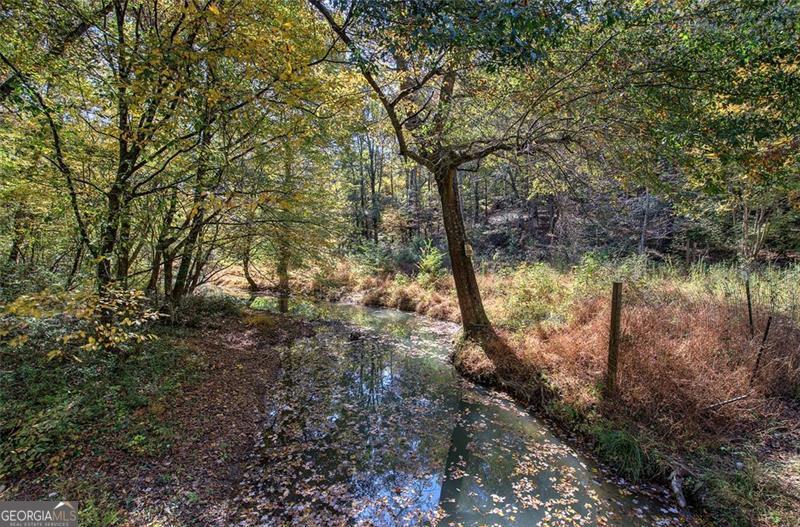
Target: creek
<point>369,424</point>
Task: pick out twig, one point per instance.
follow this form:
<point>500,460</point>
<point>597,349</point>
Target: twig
<point>727,401</point>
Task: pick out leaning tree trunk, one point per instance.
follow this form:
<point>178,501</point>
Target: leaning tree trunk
<point>76,264</point>
<point>473,317</point>
<point>246,268</point>
<point>181,286</point>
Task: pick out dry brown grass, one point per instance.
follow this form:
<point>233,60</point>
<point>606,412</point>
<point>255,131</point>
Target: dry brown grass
<point>680,353</point>
<point>437,301</point>
<point>231,278</point>
<point>678,357</point>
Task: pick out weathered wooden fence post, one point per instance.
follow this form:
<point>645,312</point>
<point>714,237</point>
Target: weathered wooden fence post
<point>613,338</point>
<point>749,306</point>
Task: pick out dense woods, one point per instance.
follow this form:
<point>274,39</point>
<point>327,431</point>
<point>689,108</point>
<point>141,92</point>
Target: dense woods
<point>493,164</point>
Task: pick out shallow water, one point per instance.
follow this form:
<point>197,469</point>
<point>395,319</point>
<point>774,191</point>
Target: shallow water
<point>369,424</point>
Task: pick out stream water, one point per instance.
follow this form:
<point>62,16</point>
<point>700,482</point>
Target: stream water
<point>369,424</point>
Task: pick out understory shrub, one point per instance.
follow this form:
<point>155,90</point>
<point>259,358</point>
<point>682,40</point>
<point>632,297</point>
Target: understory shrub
<point>429,267</point>
<point>75,324</point>
<point>374,258</point>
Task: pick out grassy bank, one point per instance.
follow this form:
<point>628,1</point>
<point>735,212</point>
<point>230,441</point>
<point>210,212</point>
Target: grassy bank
<point>687,350</point>
<point>155,435</point>
<point>55,412</point>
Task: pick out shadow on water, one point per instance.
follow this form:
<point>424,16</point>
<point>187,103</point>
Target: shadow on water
<point>369,424</point>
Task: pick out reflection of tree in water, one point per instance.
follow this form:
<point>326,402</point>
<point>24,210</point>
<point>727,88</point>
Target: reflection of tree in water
<point>478,477</point>
<point>453,480</point>
<point>374,376</point>
<point>400,400</point>
<point>359,426</point>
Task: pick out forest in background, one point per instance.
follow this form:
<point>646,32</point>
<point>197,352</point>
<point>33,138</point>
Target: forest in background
<point>495,164</point>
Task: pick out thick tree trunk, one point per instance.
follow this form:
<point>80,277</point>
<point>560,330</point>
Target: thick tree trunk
<point>108,239</point>
<point>473,316</point>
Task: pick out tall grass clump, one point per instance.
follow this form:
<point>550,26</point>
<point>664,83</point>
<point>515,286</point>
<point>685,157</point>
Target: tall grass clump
<point>622,450</point>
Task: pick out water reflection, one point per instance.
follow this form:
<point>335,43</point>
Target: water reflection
<point>375,428</point>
